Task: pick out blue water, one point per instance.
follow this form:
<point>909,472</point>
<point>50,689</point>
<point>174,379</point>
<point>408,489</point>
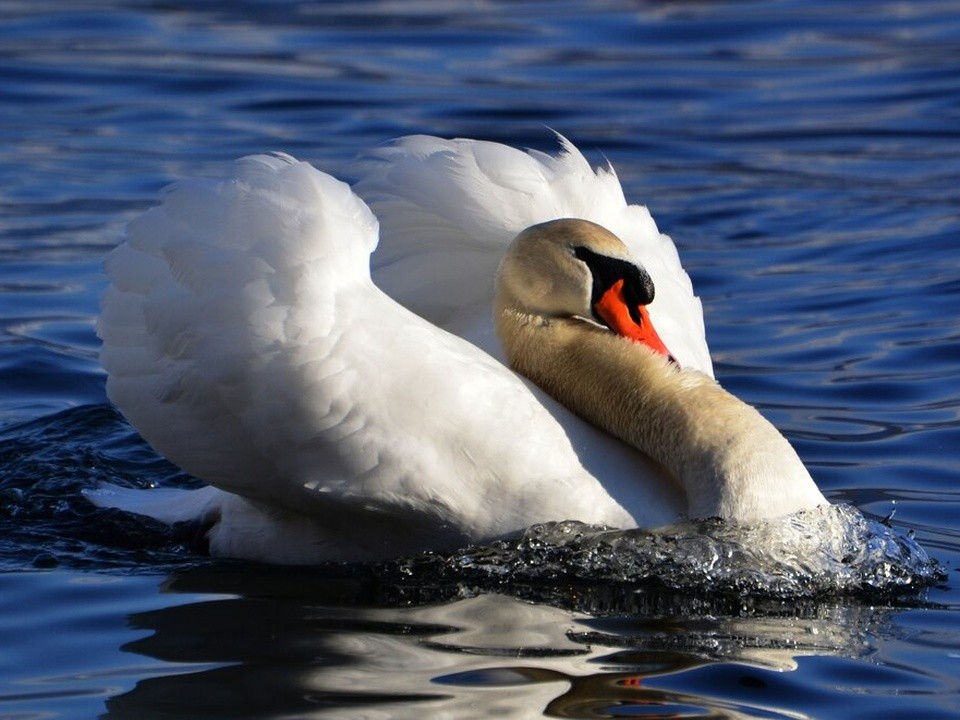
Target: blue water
<point>805,157</point>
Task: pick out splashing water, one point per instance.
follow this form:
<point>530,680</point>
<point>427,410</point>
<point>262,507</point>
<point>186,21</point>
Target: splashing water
<point>828,551</point>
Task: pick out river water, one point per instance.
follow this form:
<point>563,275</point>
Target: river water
<point>804,156</point>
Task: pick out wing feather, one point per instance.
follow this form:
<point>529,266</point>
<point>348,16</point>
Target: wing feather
<point>245,340</point>
<point>448,209</point>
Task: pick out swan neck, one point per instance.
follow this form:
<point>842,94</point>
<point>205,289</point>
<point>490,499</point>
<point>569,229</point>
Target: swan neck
<point>730,461</point>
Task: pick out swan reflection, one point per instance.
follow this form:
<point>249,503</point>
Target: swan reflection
<point>314,646</point>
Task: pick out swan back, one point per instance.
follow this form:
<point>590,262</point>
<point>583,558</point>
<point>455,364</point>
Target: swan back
<point>449,208</point>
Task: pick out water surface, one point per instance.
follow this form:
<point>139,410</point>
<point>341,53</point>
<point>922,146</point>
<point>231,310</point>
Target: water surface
<point>805,157</point>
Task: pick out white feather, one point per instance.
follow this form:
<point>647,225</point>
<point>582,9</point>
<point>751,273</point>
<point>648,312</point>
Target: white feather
<point>449,208</point>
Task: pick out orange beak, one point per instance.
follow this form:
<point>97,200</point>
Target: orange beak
<point>613,309</point>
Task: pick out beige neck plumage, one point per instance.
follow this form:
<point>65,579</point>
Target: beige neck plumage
<point>730,460</point>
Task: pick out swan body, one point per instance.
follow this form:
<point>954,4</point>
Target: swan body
<point>245,340</point>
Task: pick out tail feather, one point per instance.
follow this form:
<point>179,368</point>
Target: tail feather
<point>168,505</point>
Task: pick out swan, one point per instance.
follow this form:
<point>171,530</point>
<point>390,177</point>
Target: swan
<point>499,381</point>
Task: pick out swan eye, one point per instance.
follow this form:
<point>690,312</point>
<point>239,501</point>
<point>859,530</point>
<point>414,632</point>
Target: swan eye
<point>605,270</point>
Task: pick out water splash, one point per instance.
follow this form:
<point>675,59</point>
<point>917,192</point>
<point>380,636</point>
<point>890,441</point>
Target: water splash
<point>828,551</point>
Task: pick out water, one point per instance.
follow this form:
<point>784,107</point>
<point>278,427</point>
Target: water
<point>805,157</point>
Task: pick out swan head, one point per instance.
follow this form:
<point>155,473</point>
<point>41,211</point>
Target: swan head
<point>572,268</point>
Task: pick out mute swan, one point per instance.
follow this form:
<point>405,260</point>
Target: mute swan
<point>245,340</point>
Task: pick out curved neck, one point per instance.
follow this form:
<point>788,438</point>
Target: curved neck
<point>731,462</point>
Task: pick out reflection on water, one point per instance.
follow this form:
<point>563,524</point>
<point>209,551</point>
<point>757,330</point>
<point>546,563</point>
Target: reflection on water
<point>296,651</point>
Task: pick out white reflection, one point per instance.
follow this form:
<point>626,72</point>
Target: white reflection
<point>295,646</point>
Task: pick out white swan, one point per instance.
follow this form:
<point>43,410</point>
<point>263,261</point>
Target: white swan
<point>245,340</point>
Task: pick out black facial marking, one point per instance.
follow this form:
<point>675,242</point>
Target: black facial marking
<point>637,284</point>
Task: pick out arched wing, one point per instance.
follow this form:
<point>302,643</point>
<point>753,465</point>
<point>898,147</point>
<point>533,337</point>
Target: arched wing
<point>448,209</point>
